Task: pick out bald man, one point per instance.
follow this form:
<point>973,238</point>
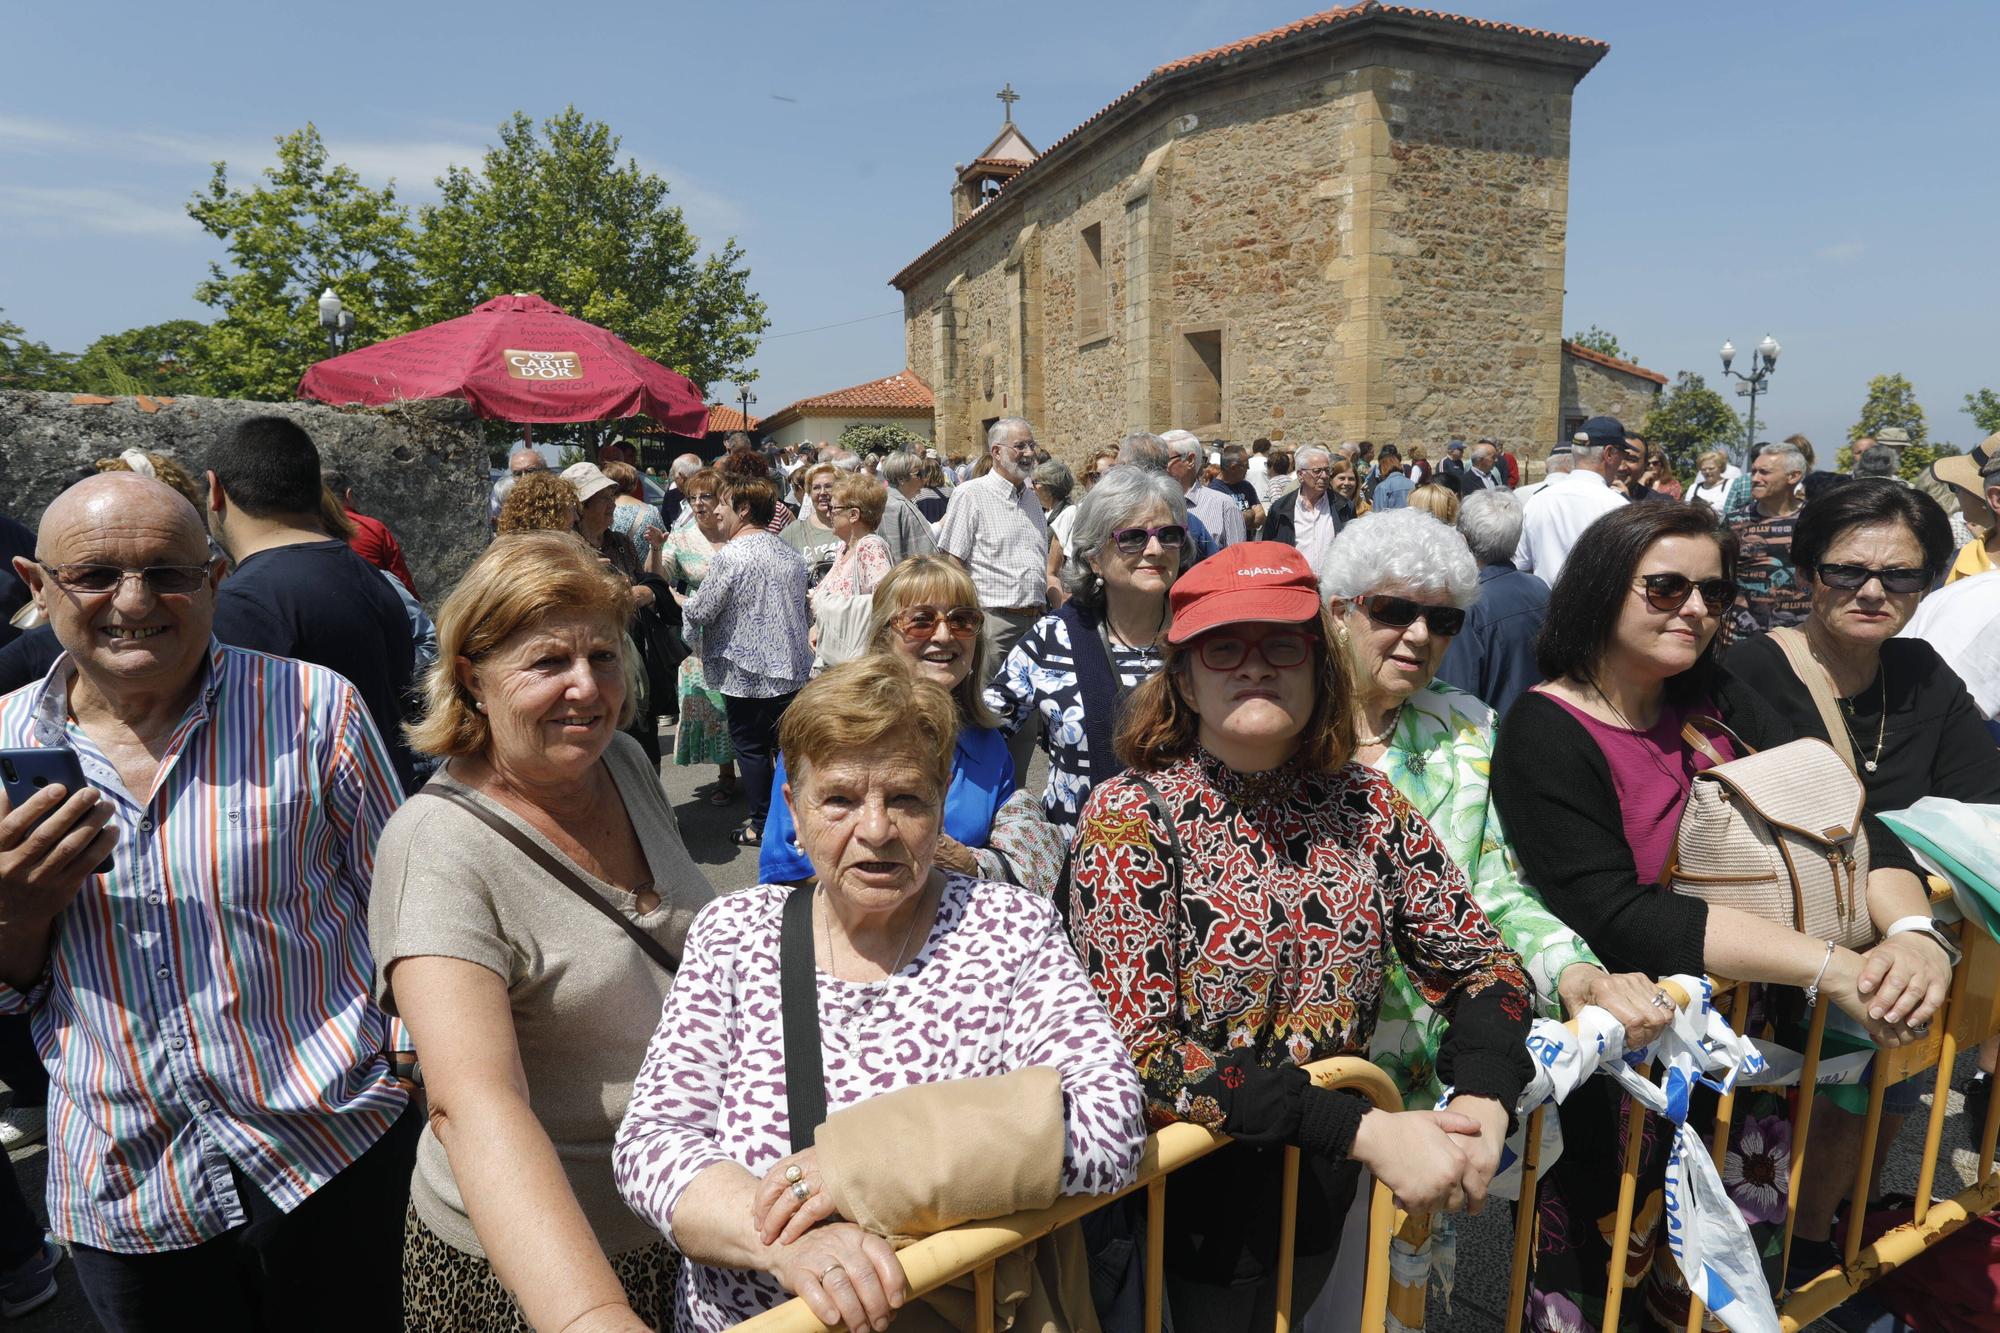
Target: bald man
<point>223,1112</point>
<point>519,463</point>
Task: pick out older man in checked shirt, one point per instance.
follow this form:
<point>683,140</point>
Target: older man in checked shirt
<point>228,1143</point>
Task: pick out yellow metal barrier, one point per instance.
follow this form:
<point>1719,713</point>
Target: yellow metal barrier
<point>976,1246</point>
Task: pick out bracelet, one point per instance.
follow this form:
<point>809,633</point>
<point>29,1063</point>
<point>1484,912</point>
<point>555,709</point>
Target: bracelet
<point>1812,991</point>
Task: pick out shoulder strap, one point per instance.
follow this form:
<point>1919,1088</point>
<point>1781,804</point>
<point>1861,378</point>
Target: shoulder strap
<point>1818,684</point>
<point>562,875</point>
<point>1691,733</point>
<point>798,991</point>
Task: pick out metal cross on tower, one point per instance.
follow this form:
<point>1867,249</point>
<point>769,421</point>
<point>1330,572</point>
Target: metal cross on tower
<point>1008,97</point>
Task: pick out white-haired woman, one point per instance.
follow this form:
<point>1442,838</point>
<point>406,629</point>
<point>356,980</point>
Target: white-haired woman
<point>1076,667</point>
<point>1399,584</point>
<point>1711,485</point>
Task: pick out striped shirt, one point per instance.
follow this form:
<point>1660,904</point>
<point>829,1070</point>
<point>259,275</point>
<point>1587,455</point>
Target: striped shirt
<point>997,531</point>
<point>207,1003</point>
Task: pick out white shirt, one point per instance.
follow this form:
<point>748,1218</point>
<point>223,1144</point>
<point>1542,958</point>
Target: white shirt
<point>1533,489</point>
<point>997,530</point>
<point>1712,496</point>
<point>1259,476</point>
<point>1557,517</point>
<point>1313,529</point>
<point>1962,621</point>
<point>1217,512</point>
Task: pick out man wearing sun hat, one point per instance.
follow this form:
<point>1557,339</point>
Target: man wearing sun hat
<point>1975,482</point>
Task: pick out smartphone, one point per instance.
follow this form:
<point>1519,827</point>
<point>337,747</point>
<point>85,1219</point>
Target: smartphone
<point>25,772</point>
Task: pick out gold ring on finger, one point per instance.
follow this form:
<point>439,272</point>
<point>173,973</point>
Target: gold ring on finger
<point>793,1174</point>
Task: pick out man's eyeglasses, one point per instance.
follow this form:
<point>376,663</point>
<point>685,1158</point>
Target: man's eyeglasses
<point>160,580</point>
<point>1133,541</point>
<point>1669,592</point>
<point>920,622</point>
<point>1401,613</point>
<point>1849,577</point>
<point>1226,652</point>
<point>1315,472</point>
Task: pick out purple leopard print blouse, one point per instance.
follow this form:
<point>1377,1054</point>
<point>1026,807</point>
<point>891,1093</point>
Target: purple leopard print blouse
<point>995,988</point>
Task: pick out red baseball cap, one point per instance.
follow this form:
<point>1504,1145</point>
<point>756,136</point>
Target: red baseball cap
<point>1248,583</point>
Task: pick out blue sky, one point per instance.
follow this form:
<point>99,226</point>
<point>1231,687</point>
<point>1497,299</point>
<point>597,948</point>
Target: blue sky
<point>1823,172</point>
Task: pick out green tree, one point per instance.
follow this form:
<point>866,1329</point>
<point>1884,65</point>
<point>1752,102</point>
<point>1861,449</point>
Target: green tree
<point>307,227</point>
<point>1689,419</point>
<point>1984,409</point>
<point>864,439</point>
<point>557,214</point>
<point>26,364</point>
<point>156,359</point>
<point>1597,340</point>
<point>1891,402</point>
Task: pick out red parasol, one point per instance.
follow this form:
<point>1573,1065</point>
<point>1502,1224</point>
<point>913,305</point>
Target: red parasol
<point>515,358</point>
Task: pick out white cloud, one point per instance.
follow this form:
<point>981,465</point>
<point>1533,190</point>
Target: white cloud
<point>24,134</point>
<point>1841,252</point>
<point>111,212</point>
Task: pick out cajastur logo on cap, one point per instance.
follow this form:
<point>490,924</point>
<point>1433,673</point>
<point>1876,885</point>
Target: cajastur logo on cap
<point>1265,569</point>
<point>523,365</point>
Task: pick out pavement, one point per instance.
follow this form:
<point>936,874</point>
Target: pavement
<point>1479,1300</point>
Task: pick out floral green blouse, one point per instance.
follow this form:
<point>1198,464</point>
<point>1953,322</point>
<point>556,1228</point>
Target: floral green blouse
<point>1440,758</point>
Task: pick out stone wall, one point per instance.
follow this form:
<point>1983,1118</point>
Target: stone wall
<point>1363,239</point>
<point>419,467</point>
<point>1591,390</point>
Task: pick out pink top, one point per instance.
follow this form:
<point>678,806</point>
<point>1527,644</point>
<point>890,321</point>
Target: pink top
<point>1652,771</point>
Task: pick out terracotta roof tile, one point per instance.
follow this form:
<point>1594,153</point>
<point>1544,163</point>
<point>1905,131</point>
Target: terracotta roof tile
<point>1311,23</point>
<point>1612,362</point>
<point>726,419</point>
<point>902,391</point>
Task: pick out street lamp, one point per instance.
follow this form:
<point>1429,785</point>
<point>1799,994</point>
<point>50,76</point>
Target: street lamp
<point>1763,362</point>
<point>336,319</point>
<point>743,393</point>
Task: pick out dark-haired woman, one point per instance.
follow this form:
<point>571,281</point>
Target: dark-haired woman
<point>1590,773</point>
<point>1865,554</point>
<point>1235,897</point>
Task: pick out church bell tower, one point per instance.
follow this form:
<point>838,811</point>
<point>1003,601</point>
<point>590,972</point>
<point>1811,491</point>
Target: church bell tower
<point>1000,162</point>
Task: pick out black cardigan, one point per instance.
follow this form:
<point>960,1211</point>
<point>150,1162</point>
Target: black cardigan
<point>1935,743</point>
<point>1553,790</point>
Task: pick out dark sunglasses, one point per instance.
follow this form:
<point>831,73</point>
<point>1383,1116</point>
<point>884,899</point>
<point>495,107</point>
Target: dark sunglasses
<point>1856,576</point>
<point>1132,541</point>
<point>1226,652</point>
<point>1401,613</point>
<point>160,580</point>
<point>920,622</point>
<point>1670,592</point>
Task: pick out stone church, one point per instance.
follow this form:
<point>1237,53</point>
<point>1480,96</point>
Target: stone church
<point>1351,227</point>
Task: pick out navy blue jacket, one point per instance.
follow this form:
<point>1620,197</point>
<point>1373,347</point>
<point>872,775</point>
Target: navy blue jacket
<point>1493,657</point>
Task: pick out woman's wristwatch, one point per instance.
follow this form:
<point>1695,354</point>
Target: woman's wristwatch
<point>1927,925</point>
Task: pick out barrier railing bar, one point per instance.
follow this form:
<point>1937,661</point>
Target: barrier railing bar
<point>1524,1220</point>
<point>982,1298</point>
<point>1864,1170</point>
<point>1802,1125</point>
<point>1288,1238</point>
<point>1739,1014</point>
<point>1940,1093</point>
<point>1988,1134</point>
<point>950,1254</point>
<point>1628,1193</point>
<point>1891,1249</point>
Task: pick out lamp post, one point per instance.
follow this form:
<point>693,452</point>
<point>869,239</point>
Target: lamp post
<point>743,393</point>
<point>1763,361</point>
<point>336,319</point>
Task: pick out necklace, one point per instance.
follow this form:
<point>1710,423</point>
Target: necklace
<point>1881,723</point>
<point>1395,716</point>
<point>1127,643</point>
<point>1626,722</point>
<point>873,992</point>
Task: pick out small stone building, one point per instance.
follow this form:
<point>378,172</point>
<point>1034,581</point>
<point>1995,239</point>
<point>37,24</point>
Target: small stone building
<point>1596,385</point>
<point>1349,227</point>
<point>901,399</point>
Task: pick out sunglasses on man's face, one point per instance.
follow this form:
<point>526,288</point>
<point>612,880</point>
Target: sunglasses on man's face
<point>920,622</point>
<point>95,580</point>
<point>1849,577</point>
<point>1133,541</point>
<point>1401,613</point>
<point>1670,592</point>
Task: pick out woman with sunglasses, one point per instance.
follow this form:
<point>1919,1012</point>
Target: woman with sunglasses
<point>1398,584</point>
<point>926,614</point>
<point>1590,772</point>
<point>1075,668</point>
<point>1866,553</point>
<point>1236,897</point>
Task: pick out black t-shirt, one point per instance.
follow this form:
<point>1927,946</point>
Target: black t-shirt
<point>14,540</point>
<point>28,658</point>
<point>1242,492</point>
<point>322,603</point>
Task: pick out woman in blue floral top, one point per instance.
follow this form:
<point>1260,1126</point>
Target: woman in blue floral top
<point>1076,667</point>
<point>749,625</point>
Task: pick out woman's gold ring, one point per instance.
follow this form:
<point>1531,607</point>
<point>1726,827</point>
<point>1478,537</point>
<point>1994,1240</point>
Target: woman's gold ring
<point>801,1191</point>
<point>793,1175</point>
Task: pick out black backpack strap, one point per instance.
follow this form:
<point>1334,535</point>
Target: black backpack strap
<point>798,989</point>
<point>561,874</point>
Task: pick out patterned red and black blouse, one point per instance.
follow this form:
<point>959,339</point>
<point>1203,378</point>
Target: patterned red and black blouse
<point>1254,936</point>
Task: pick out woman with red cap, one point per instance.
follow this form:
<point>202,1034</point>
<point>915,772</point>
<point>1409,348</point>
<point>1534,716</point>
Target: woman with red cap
<point>1235,896</point>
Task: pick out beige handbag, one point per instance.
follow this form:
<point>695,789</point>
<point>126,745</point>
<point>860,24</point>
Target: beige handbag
<point>1777,834</point>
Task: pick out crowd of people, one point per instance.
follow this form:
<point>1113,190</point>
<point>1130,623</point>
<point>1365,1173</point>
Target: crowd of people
<point>368,928</point>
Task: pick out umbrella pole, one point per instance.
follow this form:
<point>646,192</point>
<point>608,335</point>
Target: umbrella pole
<point>528,434</point>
